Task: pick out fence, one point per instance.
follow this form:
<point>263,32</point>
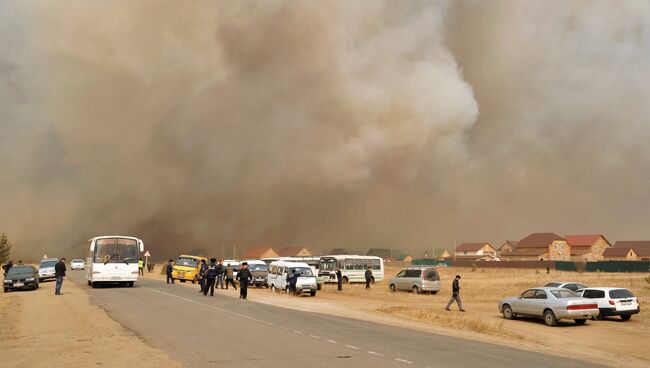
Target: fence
<point>603,266</point>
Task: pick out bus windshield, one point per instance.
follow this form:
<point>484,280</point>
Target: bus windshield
<point>116,250</point>
<point>187,262</point>
<point>328,264</point>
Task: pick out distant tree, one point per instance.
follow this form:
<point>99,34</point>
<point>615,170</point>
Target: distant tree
<point>5,248</point>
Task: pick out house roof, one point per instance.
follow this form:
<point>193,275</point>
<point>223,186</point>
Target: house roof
<point>512,243</point>
<point>257,252</point>
<point>538,240</point>
<point>583,240</point>
<point>439,252</point>
<point>641,247</point>
<point>292,251</point>
<point>620,251</point>
<point>471,247</point>
<point>526,252</point>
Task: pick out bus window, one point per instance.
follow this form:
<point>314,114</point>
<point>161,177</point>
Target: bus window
<point>358,264</point>
<point>349,264</point>
<point>376,264</point>
<point>367,262</point>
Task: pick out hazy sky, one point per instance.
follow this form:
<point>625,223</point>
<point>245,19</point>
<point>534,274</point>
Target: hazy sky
<point>330,124</point>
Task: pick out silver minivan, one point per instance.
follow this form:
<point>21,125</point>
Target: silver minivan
<point>417,279</point>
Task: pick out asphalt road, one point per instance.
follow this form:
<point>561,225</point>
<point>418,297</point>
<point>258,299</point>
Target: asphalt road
<point>222,331</point>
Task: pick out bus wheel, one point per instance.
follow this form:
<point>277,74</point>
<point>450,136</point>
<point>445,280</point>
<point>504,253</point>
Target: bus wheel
<point>93,284</point>
<point>346,280</point>
<point>372,279</point>
<point>130,284</point>
<point>88,282</point>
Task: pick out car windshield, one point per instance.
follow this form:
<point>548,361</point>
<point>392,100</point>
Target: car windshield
<point>564,293</point>
<point>302,271</point>
<point>77,260</point>
<point>48,264</point>
<point>620,294</point>
<point>258,267</point>
<point>187,262</point>
<point>20,271</point>
<point>552,284</point>
<point>328,264</point>
<point>116,250</point>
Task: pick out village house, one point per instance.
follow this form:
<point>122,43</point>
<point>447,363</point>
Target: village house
<point>507,247</point>
<point>294,252</point>
<point>438,253</point>
<point>619,254</point>
<point>540,247</point>
<point>475,251</point>
<point>260,252</point>
<point>587,247</point>
<point>629,250</point>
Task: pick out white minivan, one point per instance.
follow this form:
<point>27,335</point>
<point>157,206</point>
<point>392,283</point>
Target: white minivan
<point>277,277</point>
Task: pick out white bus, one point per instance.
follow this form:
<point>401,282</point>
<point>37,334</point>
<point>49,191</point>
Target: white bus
<point>113,259</point>
<point>353,268</point>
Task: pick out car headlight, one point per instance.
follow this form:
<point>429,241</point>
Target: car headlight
<point>7,281</point>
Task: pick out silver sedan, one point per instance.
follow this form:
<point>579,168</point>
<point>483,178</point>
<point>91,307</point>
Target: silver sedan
<point>550,303</point>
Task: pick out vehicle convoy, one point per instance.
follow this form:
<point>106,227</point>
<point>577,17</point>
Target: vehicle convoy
<point>612,301</point>
<point>187,268</point>
<point>573,286</point>
<point>77,264</point>
<point>551,303</point>
<point>113,259</point>
<point>353,268</point>
<point>259,271</point>
<point>46,268</point>
<point>20,277</point>
<point>277,278</point>
<point>418,279</point>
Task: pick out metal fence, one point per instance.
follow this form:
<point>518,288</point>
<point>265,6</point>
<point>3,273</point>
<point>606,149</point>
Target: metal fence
<point>603,266</point>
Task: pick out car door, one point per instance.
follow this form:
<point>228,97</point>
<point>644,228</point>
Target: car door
<point>399,279</point>
<point>522,304</point>
<point>538,303</point>
<point>412,278</point>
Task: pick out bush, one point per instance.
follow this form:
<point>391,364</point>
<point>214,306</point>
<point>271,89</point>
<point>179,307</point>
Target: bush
<point>474,267</point>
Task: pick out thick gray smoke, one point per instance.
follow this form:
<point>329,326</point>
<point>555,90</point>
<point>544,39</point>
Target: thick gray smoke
<point>329,124</point>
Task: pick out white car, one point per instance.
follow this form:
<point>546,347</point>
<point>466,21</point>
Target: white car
<point>46,269</point>
<point>573,286</point>
<point>77,264</point>
<point>612,301</point>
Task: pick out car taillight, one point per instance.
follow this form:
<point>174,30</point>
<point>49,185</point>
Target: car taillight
<point>581,306</point>
<point>611,302</point>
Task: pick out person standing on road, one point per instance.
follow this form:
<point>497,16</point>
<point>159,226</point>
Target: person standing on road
<point>293,281</point>
<point>220,272</point>
<point>170,268</point>
<point>141,267</point>
<point>203,268</point>
<point>339,280</point>
<point>229,277</point>
<point>455,294</point>
<point>368,277</point>
<point>59,272</point>
<point>244,276</point>
<point>211,275</point>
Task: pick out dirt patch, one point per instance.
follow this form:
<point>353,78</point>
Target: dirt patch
<point>45,330</point>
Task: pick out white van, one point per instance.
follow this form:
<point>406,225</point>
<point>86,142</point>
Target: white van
<point>277,278</point>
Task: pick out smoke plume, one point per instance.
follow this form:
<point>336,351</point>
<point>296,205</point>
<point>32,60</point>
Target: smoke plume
<point>330,124</point>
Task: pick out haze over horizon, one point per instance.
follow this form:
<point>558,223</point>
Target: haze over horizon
<point>357,124</point>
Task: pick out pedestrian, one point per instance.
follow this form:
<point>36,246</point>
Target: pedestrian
<point>455,294</point>
<point>141,267</point>
<point>244,276</point>
<point>229,276</point>
<point>220,274</point>
<point>202,270</point>
<point>339,280</point>
<point>149,267</point>
<point>368,277</point>
<point>293,280</point>
<point>170,268</point>
<point>59,272</point>
<point>210,276</point>
<point>548,270</point>
<point>8,266</point>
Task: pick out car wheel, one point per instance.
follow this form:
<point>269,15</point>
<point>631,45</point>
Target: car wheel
<point>392,288</point>
<point>581,321</point>
<point>549,318</point>
<point>319,286</point>
<point>416,290</point>
<point>93,284</point>
<point>6,290</point>
<point>286,290</point>
<point>183,281</point>
<point>88,282</point>
<point>195,280</point>
<point>313,293</point>
<point>130,284</point>
<point>507,312</point>
<point>273,288</point>
<point>626,317</point>
<point>434,292</point>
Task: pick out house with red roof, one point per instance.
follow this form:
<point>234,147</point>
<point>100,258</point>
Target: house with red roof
<point>294,252</point>
<point>628,250</point>
<point>540,247</point>
<point>587,247</point>
<point>259,253</point>
<point>476,252</point>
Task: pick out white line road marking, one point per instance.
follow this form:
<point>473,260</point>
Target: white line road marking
<point>298,332</point>
<point>375,353</point>
<point>331,341</point>
<point>352,347</point>
<point>314,337</point>
<point>403,361</point>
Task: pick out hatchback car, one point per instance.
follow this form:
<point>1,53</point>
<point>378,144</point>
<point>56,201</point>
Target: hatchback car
<point>21,277</point>
<point>550,303</point>
<point>77,264</point>
<point>612,301</point>
<point>573,286</point>
<point>46,269</point>
<point>416,279</point>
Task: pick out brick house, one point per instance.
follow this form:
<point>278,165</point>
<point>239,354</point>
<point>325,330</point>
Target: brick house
<point>294,252</point>
<point>507,247</point>
<point>260,252</point>
<point>629,250</point>
<point>587,247</point>
<point>540,247</point>
<point>476,249</point>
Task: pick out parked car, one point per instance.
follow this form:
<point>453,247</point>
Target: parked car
<point>612,301</point>
<point>417,279</point>
<point>259,271</point>
<point>550,303</point>
<point>77,264</point>
<point>46,269</point>
<point>573,286</point>
<point>21,277</point>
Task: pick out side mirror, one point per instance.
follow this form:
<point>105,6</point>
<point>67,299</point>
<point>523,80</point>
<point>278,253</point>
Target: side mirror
<point>141,244</point>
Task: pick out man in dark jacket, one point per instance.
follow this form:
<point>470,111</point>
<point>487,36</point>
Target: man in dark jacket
<point>170,268</point>
<point>211,275</point>
<point>244,276</point>
<point>221,271</point>
<point>59,272</point>
<point>368,277</point>
<point>202,276</point>
<point>229,276</point>
<point>339,280</point>
<point>8,266</point>
<point>455,294</point>
<point>293,280</point>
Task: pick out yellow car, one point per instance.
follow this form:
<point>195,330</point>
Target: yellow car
<point>187,268</point>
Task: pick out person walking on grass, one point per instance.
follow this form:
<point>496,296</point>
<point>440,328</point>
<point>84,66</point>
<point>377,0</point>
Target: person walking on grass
<point>368,278</point>
<point>455,294</point>
<point>210,276</point>
<point>339,280</point>
<point>59,272</point>
<point>203,268</point>
<point>170,268</point>
<point>244,276</point>
<point>229,276</point>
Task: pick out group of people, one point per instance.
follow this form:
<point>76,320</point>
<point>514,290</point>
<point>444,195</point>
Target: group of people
<point>217,274</point>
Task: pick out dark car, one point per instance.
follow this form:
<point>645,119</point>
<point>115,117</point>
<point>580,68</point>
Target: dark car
<point>21,277</point>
